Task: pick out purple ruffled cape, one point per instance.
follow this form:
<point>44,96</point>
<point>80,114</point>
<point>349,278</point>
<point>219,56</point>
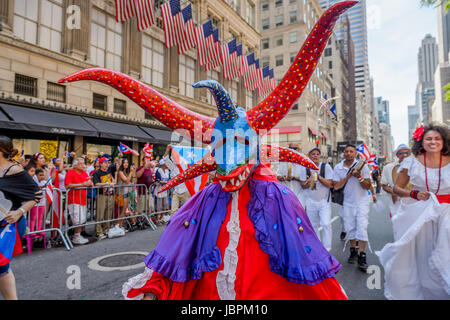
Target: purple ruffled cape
<point>184,253</point>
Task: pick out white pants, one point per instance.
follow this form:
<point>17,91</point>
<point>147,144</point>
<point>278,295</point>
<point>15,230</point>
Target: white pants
<point>341,217</point>
<point>319,213</point>
<point>356,221</point>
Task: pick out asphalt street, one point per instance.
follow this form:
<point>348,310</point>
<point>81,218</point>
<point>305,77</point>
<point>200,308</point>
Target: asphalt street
<point>97,271</point>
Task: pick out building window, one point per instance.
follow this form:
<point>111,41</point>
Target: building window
<point>293,37</point>
<point>236,5</point>
<point>265,6</point>
<point>279,20</point>
<point>265,43</point>
<point>292,56</point>
<point>265,24</point>
<point>293,17</point>
<point>265,62</point>
<point>279,60</point>
<point>152,61</point>
<point>148,116</point>
<point>99,102</point>
<point>278,41</point>
<point>295,106</point>
<point>278,3</point>
<point>106,41</point>
<point>251,14</point>
<point>328,52</point>
<point>187,76</point>
<point>56,92</point>
<point>330,64</point>
<point>39,22</point>
<point>213,75</point>
<point>120,106</point>
<point>25,85</point>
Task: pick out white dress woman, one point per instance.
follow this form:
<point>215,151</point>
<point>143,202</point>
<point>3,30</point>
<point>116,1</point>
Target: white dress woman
<point>417,264</point>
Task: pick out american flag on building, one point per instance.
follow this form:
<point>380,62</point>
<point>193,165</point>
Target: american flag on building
<point>125,9</point>
<point>188,31</point>
<point>240,63</point>
<point>202,34</point>
<point>265,84</point>
<point>143,10</point>
<point>173,23</point>
<point>214,52</point>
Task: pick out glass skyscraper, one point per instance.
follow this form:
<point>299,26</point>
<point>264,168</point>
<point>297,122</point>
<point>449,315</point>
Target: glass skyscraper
<point>358,28</point>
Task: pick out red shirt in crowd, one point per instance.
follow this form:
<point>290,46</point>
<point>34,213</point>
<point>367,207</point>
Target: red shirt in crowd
<point>76,196</point>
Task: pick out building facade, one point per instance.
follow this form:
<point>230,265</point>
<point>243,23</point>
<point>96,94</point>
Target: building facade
<point>42,41</point>
<point>285,24</point>
<point>413,117</point>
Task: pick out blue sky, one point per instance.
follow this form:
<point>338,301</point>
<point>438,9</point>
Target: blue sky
<point>395,31</point>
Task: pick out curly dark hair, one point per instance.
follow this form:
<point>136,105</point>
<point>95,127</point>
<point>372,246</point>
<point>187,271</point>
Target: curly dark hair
<point>417,147</point>
<point>7,148</point>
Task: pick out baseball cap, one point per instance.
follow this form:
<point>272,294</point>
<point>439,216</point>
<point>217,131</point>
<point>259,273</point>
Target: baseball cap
<point>102,159</point>
<point>161,162</point>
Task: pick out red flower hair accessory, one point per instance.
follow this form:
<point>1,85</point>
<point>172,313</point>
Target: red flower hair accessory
<point>417,135</point>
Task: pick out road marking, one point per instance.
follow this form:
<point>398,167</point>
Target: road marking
<point>94,263</point>
<point>332,220</point>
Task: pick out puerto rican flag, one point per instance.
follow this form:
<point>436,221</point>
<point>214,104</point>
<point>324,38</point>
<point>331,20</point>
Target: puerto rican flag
<point>364,151</point>
<point>373,161</point>
<point>127,150</point>
<point>49,190</point>
<point>184,157</point>
<point>148,150</point>
<point>10,244</point>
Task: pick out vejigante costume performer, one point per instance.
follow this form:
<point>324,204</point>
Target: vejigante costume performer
<point>245,236</point>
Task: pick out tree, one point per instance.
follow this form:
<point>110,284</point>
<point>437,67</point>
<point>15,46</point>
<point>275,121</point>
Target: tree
<point>447,93</point>
<point>436,3</point>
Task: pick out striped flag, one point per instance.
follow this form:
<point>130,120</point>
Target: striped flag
<point>127,150</point>
<point>273,84</point>
<point>215,53</point>
<point>125,9</point>
<point>188,31</point>
<point>240,61</point>
<point>145,13</point>
<point>185,157</point>
<point>173,23</point>
<point>148,150</point>
<point>364,151</point>
<point>246,63</point>
<point>229,57</point>
<point>251,78</point>
<point>202,34</point>
<point>373,161</point>
<point>264,87</point>
<point>49,190</point>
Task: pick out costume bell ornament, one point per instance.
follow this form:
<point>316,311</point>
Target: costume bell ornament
<point>235,235</point>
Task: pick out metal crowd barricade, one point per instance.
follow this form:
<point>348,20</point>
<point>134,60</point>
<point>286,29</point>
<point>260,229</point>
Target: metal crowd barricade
<point>46,217</point>
<point>98,205</point>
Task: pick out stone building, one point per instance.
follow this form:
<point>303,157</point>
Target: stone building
<point>42,41</point>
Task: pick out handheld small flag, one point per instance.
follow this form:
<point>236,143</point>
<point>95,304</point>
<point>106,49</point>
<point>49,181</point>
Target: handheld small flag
<point>148,150</point>
<point>127,150</point>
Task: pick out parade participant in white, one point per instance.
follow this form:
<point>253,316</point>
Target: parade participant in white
<point>318,205</point>
<point>356,203</point>
<point>417,264</point>
<point>389,171</point>
<point>181,194</point>
<point>289,174</point>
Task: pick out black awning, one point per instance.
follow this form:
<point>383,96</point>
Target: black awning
<point>119,131</point>
<point>29,119</point>
<point>159,136</point>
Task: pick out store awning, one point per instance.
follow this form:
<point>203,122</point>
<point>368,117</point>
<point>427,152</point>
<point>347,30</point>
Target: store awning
<point>30,119</point>
<point>325,135</point>
<point>315,132</point>
<point>118,131</point>
<point>285,130</point>
<point>159,136</point>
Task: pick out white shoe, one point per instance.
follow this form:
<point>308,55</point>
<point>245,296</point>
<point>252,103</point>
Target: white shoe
<point>79,240</point>
<point>101,237</point>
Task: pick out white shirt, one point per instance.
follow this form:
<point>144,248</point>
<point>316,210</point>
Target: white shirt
<point>321,192</point>
<point>174,171</point>
<point>386,176</point>
<point>354,193</point>
<point>283,171</point>
<point>165,177</point>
